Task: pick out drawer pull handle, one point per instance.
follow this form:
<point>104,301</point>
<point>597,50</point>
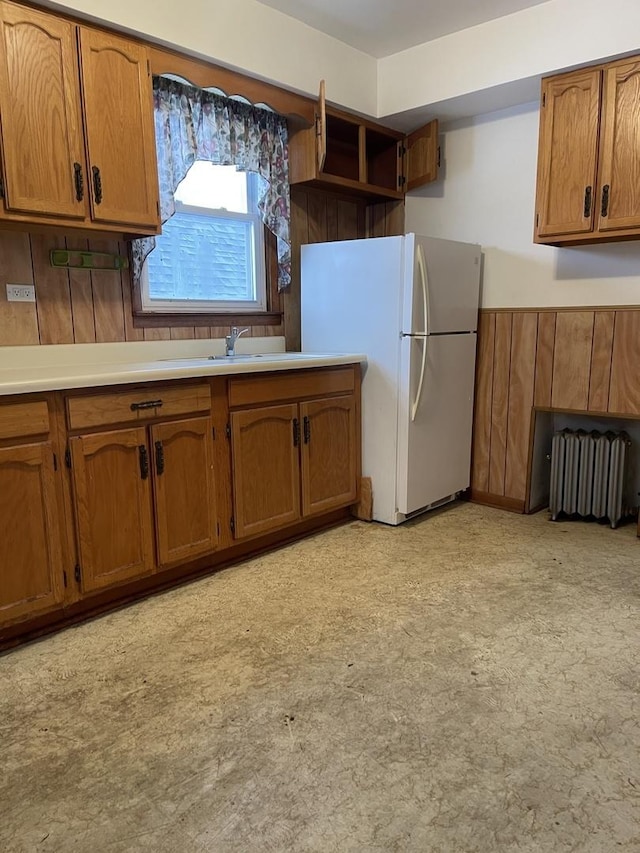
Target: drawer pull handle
<point>159,458</point>
<point>144,461</point>
<point>307,429</point>
<point>146,404</point>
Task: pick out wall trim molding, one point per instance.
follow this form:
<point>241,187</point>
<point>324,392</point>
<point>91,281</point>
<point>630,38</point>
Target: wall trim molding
<point>563,309</point>
<point>497,501</point>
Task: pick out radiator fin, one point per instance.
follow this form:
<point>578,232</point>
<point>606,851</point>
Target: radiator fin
<point>588,474</point>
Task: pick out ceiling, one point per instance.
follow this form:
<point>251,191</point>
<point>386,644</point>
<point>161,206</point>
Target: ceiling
<point>383,27</point>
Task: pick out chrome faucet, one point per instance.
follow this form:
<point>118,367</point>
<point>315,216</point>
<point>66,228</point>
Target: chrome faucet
<point>230,340</point>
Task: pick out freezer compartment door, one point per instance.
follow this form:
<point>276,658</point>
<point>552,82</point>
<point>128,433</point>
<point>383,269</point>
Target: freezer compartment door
<point>435,419</point>
<point>441,286</point>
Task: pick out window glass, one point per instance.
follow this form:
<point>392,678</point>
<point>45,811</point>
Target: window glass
<point>210,256</point>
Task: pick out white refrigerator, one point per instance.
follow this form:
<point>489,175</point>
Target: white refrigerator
<point>410,304</point>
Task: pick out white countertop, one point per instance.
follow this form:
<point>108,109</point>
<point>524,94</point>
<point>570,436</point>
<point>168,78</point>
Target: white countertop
<point>26,370</point>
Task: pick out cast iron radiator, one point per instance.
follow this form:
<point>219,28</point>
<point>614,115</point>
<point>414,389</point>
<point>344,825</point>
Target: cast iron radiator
<point>588,473</point>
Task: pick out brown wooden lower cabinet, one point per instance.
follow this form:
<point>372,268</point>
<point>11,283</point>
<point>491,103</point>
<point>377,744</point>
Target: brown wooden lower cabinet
<point>184,486</point>
<point>139,506</point>
<point>112,489</point>
<point>293,461</point>
<point>31,574</point>
<point>329,453</point>
<point>266,468</point>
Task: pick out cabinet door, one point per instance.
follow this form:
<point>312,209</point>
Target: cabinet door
<point>321,129</point>
<point>186,520</point>
<point>31,569</point>
<point>329,454</point>
<point>40,107</point>
<point>567,153</point>
<point>113,506</point>
<point>118,112</point>
<point>423,156</point>
<point>619,201</point>
<point>266,468</point>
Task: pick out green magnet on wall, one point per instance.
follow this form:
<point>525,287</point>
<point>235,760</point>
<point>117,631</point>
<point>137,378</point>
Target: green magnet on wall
<point>76,259</point>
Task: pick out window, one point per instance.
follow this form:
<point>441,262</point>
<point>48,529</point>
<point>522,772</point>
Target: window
<point>210,256</point>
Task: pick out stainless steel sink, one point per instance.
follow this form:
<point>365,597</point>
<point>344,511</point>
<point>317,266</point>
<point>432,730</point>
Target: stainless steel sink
<point>269,356</point>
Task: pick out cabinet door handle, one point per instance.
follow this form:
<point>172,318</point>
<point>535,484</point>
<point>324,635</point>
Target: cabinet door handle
<point>587,202</point>
<point>159,458</point>
<point>306,426</point>
<point>97,185</point>
<point>296,432</point>
<point>78,178</point>
<point>146,404</point>
<point>144,461</point>
<point>604,210</point>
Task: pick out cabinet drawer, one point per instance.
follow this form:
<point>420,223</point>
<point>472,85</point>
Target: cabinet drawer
<point>255,390</point>
<point>119,407</point>
<point>22,419</point>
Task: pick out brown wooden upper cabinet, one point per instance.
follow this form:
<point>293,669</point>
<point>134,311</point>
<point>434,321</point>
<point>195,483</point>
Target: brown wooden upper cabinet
<point>347,153</point>
<point>589,154</point>
<point>76,135</point>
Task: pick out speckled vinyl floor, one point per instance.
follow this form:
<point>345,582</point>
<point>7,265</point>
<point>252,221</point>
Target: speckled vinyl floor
<point>467,682</point>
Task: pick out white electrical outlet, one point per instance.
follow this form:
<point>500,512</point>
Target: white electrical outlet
<point>21,293</point>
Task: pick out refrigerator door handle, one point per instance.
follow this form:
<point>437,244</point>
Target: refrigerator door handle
<point>424,281</point>
<point>416,403</point>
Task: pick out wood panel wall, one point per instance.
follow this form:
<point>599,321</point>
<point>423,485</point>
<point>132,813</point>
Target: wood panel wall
<point>570,360</point>
<point>82,306</point>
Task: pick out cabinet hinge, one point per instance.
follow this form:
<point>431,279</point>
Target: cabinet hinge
<point>218,527</point>
<point>544,100</point>
<point>228,431</point>
<point>232,524</point>
<point>401,180</point>
<point>213,432</point>
<point>148,68</point>
<point>64,578</point>
<point>537,219</point>
<point>158,207</point>
<point>67,457</point>
<point>55,462</point>
<point>1,188</point>
<point>76,573</point>
<point>401,150</point>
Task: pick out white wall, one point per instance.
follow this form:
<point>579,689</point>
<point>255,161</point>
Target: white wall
<point>487,196</point>
<point>247,36</point>
<point>536,41</point>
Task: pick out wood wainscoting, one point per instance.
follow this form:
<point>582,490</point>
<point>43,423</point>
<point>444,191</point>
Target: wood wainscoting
<point>82,306</point>
<point>577,360</point>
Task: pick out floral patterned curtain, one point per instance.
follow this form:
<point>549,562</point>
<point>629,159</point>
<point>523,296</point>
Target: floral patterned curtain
<point>193,124</point>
